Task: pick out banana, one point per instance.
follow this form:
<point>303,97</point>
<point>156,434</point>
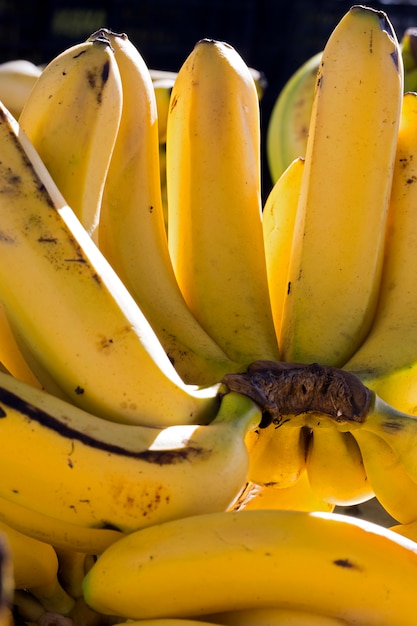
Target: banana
<point>394,488</point>
<point>298,497</point>
<point>11,355</point>
<point>406,530</point>
<point>35,568</point>
<point>278,219</point>
<point>72,311</point>
<point>335,466</point>
<point>6,581</point>
<point>17,78</point>
<point>277,453</point>
<point>288,124</point>
<point>409,54</point>
<point>214,206</point>
<point>326,563</point>
<point>163,88</point>
<point>132,234</point>
<point>272,616</point>
<point>387,360</point>
<point>72,117</point>
<point>335,265</point>
<point>71,570</point>
<point>62,535</point>
<point>101,474</point>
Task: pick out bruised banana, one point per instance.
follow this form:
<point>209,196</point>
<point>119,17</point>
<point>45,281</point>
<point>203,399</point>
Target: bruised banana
<point>287,130</point>
<point>82,470</point>
<point>17,77</point>
<point>326,563</point>
<point>336,258</point>
<point>35,568</point>
<point>97,345</point>
<point>214,206</point>
<point>72,117</point>
<point>298,497</point>
<point>387,360</point>
<point>335,466</point>
<point>132,234</point>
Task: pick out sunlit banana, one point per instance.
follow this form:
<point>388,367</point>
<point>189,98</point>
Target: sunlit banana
<point>387,359</point>
<point>393,487</point>
<point>278,219</point>
<point>132,233</point>
<point>277,453</point>
<point>287,131</point>
<point>86,330</point>
<point>335,265</point>
<point>298,497</point>
<point>35,568</point>
<point>214,206</point>
<point>17,78</point>
<point>163,88</point>
<point>72,116</point>
<point>335,465</point>
<point>80,469</point>
<point>317,562</point>
<point>272,616</point>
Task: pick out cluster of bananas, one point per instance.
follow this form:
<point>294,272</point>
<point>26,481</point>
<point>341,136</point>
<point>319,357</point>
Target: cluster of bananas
<point>192,381</point>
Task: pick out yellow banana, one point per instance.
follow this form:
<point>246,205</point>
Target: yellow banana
<point>298,497</point>
<point>163,88</point>
<point>86,330</point>
<point>335,465</point>
<point>72,117</point>
<point>320,562</point>
<point>86,471</point>
<point>6,581</point>
<point>288,125</point>
<point>277,453</point>
<point>214,206</point>
<point>335,265</point>
<point>10,354</point>
<point>272,616</point>
<point>60,534</point>
<point>35,568</point>
<point>278,219</point>
<point>394,488</point>
<point>71,570</point>
<point>387,359</point>
<point>132,234</point>
<point>406,530</point>
<point>17,77</point>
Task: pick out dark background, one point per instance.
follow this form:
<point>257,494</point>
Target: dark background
<point>274,37</point>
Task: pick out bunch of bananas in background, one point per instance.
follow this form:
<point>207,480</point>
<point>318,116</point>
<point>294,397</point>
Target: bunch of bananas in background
<point>141,274</point>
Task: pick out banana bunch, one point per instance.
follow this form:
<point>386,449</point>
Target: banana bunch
<point>254,564</point>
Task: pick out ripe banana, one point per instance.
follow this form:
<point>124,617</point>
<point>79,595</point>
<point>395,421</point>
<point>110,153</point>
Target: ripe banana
<point>278,219</point>
<point>299,497</point>
<point>35,568</point>
<point>327,563</point>
<point>406,530</point>
<point>386,361</point>
<point>335,265</point>
<point>277,453</point>
<point>100,474</point>
<point>288,125</point>
<point>17,77</point>
<point>132,234</point>
<point>72,117</point>
<point>85,329</point>
<point>214,206</point>
<point>71,570</point>
<point>60,534</point>
<point>394,488</point>
<point>272,616</point>
<point>163,88</point>
<point>335,466</point>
